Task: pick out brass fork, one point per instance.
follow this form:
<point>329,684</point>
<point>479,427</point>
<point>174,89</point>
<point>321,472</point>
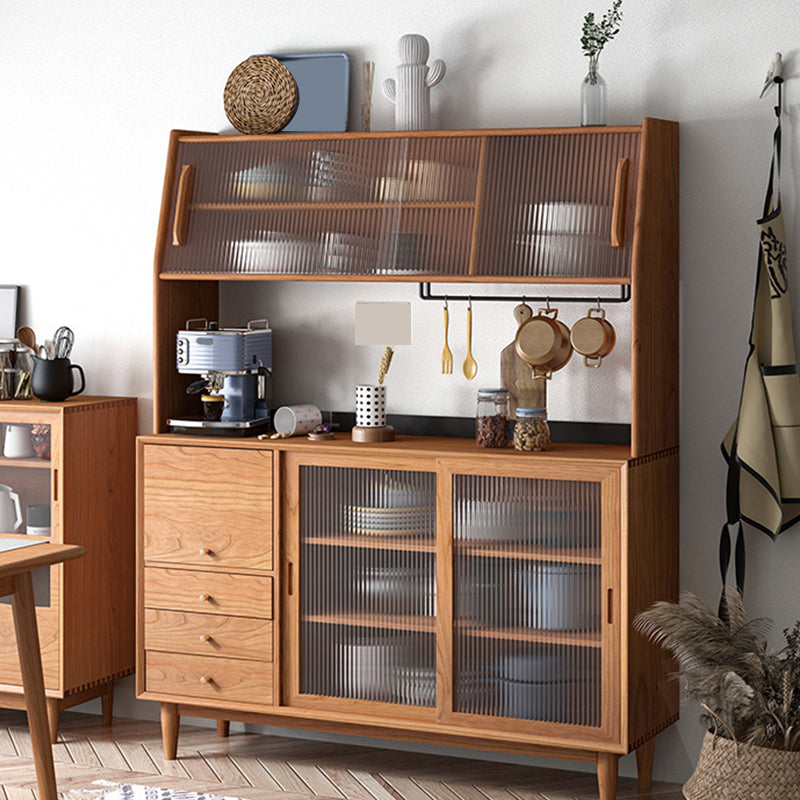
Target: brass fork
<point>447,356</point>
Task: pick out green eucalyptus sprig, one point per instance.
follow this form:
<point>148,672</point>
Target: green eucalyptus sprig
<point>597,34</point>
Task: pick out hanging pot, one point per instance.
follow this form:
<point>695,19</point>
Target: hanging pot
<point>543,343</point>
<point>593,337</point>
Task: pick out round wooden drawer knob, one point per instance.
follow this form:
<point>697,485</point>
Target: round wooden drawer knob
<point>206,679</point>
<point>204,551</point>
<point>204,637</point>
<point>204,598</point>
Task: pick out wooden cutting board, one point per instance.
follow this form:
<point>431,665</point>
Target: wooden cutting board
<point>515,375</point>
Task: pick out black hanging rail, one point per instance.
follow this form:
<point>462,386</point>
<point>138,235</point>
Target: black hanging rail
<point>426,294</point>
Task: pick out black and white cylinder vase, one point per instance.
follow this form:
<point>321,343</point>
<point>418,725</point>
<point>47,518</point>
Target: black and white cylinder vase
<point>370,406</point>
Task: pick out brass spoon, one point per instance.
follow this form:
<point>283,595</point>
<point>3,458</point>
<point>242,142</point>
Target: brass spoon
<point>27,337</point>
<point>470,365</point>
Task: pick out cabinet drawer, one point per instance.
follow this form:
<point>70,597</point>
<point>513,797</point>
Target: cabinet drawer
<point>207,506</point>
<point>47,624</point>
<point>208,592</point>
<point>208,634</point>
<point>212,679</point>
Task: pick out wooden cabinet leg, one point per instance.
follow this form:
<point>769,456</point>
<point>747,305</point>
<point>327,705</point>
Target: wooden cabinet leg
<point>170,724</point>
<point>223,728</point>
<point>53,709</point>
<point>644,763</point>
<point>607,766</point>
<point>107,704</point>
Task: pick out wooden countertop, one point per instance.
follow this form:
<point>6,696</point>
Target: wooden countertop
<point>436,446</point>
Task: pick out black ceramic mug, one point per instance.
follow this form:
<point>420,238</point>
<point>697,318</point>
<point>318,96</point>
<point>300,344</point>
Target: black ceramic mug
<point>53,379</point>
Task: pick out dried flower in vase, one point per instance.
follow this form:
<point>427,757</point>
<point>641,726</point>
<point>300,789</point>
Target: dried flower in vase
<point>386,360</point>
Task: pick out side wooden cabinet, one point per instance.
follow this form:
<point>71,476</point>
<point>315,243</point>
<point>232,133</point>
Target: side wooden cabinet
<point>70,467</point>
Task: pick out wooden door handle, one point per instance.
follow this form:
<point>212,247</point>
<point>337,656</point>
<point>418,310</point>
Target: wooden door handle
<point>619,214</point>
<point>181,221</point>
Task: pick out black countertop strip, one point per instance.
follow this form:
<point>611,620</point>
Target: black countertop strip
<point>464,427</point>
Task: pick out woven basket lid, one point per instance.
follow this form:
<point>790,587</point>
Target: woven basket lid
<point>260,95</point>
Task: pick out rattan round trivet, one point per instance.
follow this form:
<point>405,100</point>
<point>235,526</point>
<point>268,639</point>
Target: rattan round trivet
<point>260,95</point>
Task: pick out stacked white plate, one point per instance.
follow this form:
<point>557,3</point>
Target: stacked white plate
<point>275,252</point>
<point>388,521</point>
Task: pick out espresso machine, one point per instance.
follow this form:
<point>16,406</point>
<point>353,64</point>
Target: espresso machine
<point>235,369</point>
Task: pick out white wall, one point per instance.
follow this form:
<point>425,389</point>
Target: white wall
<point>89,91</point>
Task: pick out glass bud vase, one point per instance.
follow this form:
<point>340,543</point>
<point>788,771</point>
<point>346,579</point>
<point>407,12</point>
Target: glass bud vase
<point>593,97</point>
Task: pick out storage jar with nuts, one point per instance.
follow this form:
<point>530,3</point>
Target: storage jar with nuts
<point>531,432</point>
<point>492,418</point>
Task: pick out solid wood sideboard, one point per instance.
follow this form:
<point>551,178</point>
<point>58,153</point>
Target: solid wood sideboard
<point>423,589</point>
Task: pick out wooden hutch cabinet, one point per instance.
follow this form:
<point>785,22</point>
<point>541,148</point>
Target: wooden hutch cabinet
<point>74,480</point>
<point>420,589</point>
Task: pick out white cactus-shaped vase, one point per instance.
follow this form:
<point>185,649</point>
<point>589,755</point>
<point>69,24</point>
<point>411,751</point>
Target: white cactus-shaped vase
<point>411,92</point>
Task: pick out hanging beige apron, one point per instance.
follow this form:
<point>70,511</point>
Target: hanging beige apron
<point>763,445</point>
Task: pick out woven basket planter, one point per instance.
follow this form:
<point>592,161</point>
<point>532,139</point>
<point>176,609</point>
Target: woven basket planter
<point>727,771</point>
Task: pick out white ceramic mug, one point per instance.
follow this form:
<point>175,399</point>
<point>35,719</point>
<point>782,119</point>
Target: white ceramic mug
<point>297,420</point>
<point>370,406</point>
<point>18,442</point>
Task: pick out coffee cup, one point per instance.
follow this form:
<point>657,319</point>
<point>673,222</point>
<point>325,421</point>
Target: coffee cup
<point>297,420</point>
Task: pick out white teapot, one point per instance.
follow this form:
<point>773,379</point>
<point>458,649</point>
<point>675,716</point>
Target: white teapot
<point>10,511</point>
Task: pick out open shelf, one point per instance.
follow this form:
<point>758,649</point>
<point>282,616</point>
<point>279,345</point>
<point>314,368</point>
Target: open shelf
<point>418,624</point>
<point>369,542</point>
<point>31,463</point>
<point>572,638</point>
<point>522,553</point>
<point>345,206</point>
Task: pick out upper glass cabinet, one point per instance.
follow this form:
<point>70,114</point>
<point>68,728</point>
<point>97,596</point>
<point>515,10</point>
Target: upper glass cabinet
<point>534,205</point>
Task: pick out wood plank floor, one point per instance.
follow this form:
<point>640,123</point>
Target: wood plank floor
<point>256,767</point>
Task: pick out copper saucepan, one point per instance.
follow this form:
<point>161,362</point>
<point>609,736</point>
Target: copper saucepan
<point>543,343</point>
<point>593,337</point>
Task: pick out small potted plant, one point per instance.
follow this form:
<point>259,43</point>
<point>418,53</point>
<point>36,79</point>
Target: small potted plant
<point>749,696</point>
<point>595,36</point>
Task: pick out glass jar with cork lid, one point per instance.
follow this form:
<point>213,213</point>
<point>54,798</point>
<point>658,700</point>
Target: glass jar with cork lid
<point>531,432</point>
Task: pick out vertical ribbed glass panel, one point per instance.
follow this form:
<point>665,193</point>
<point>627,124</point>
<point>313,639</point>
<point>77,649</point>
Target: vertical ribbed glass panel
<point>368,584</point>
<point>547,210</point>
<point>345,206</point>
<point>527,598</point>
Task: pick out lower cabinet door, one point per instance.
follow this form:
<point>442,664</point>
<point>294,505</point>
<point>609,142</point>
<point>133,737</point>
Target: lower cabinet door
<point>367,586</point>
<point>215,680</point>
<point>534,566</point>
